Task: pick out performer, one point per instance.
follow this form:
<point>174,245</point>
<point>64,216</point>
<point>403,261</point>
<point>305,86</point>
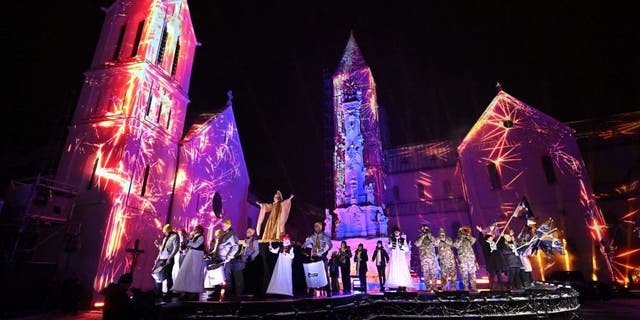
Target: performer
<point>117,302</point>
<point>250,253</point>
<point>381,258</point>
<point>163,266</point>
<point>227,247</point>
<point>279,214</point>
<point>526,271</point>
<point>345,266</point>
<point>281,281</point>
<point>509,251</point>
<point>447,261</point>
<point>466,257</point>
<point>492,257</point>
<point>184,238</point>
<point>334,272</point>
<point>320,244</point>
<point>361,258</point>
<point>426,245</point>
<point>399,275</point>
<point>190,279</point>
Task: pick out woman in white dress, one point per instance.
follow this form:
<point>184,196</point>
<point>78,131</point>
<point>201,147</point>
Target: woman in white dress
<point>398,274</point>
<point>190,277</point>
<point>281,281</point>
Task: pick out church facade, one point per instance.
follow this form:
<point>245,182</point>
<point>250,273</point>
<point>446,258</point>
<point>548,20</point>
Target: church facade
<point>135,168</point>
<point>127,156</point>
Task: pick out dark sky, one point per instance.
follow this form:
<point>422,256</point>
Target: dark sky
<point>435,63</point>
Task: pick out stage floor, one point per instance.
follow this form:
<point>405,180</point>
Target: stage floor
<point>544,300</point>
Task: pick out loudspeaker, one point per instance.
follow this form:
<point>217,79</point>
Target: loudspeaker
<point>400,295</point>
<point>495,294</point>
<point>452,295</point>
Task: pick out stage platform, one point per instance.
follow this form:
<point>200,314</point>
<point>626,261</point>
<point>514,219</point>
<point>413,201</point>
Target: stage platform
<point>542,302</point>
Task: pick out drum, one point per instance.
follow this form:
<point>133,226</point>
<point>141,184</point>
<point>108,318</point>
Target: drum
<point>214,277</point>
<point>315,274</point>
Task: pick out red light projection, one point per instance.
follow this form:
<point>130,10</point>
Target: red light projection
<point>122,149</point>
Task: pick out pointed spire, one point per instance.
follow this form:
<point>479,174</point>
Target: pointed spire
<point>229,98</point>
<point>352,58</point>
<point>499,86</point>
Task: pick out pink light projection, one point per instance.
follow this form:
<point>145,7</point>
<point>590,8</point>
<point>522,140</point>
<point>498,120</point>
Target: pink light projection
<point>211,161</point>
<point>513,138</point>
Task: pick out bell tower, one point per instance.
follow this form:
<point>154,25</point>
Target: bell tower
<point>358,174</point>
<point>122,145</point>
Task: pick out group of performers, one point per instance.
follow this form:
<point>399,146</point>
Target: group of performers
<point>182,259</point>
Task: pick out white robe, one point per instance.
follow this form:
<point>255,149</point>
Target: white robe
<point>281,279</point>
<point>191,272</point>
<point>398,274</point>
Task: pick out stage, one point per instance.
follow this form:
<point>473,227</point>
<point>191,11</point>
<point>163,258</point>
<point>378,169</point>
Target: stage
<point>543,301</point>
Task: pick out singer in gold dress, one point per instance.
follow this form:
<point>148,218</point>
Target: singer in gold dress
<point>279,213</point>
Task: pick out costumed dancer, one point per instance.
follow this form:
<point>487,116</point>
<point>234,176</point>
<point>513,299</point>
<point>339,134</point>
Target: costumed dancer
<point>279,213</point>
<point>467,258</point>
<point>190,279</point>
<point>334,272</point>
<point>526,272</point>
<point>492,257</point>
<point>399,275</point>
<point>163,267</point>
<point>250,253</point>
<point>227,247</point>
<point>281,280</point>
<point>525,250</point>
<point>447,261</point>
<point>361,258</point>
<point>345,266</point>
<point>381,258</point>
<point>509,250</point>
<point>320,244</point>
<point>426,245</point>
<point>184,238</point>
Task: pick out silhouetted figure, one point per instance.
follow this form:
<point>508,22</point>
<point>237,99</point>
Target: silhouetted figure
<point>117,303</point>
<point>71,290</point>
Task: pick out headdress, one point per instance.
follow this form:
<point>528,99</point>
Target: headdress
<point>167,228</point>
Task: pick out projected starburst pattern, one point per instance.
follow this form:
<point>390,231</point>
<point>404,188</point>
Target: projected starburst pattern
<point>354,80</point>
<point>212,162</point>
<point>122,145</point>
<point>512,136</point>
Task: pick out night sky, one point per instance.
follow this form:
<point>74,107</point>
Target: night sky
<point>435,64</point>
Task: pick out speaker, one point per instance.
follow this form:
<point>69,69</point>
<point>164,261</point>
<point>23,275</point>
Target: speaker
<point>400,295</point>
<point>452,295</point>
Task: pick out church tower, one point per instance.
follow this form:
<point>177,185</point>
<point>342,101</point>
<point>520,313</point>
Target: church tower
<point>358,174</point>
<point>121,153</point>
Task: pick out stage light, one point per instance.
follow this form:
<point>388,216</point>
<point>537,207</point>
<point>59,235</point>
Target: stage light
<point>452,295</point>
<point>98,304</point>
<point>483,280</point>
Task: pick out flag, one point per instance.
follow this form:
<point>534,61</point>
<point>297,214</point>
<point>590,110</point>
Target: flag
<point>548,239</point>
<point>523,210</point>
<point>544,228</point>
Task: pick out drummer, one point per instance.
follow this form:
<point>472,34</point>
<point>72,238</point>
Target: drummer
<point>320,244</point>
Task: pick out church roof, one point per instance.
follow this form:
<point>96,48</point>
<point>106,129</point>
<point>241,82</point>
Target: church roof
<point>352,58</point>
<point>506,113</point>
<point>203,120</point>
